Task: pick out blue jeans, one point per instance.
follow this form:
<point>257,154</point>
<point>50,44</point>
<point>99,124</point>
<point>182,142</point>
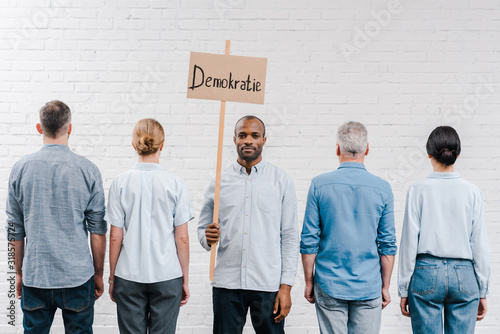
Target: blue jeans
<point>439,285</point>
<point>338,316</point>
<point>40,305</point>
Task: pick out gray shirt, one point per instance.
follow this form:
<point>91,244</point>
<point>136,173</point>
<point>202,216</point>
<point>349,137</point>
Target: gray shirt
<point>259,244</point>
<point>55,198</point>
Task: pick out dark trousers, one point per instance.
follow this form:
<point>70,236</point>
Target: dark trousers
<point>77,305</point>
<point>147,305</point>
<point>231,307</point>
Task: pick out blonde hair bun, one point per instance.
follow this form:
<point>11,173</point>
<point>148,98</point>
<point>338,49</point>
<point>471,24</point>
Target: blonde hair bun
<point>148,136</point>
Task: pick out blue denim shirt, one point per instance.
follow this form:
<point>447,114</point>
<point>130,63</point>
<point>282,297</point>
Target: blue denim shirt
<point>55,198</point>
<point>349,224</point>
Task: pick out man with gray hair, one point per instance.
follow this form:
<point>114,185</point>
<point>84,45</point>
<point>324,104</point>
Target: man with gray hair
<point>55,199</point>
<point>348,240</point>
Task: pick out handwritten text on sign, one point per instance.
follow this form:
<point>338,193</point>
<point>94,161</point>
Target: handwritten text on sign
<point>226,78</point>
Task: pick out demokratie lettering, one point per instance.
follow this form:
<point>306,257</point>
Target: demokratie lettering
<point>248,85</point>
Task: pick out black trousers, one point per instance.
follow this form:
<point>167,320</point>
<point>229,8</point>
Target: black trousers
<point>231,307</point>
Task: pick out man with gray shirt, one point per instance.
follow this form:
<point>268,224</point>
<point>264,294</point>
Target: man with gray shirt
<point>259,247</point>
<point>55,198</point>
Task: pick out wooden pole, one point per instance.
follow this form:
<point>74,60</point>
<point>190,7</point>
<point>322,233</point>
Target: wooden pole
<point>218,175</point>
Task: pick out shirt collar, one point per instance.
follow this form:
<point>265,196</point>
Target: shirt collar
<point>438,175</point>
<point>54,147</point>
<point>147,166</point>
<point>352,165</point>
<point>242,170</point>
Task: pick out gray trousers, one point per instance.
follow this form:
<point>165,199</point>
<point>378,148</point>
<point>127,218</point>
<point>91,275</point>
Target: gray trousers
<point>147,305</point>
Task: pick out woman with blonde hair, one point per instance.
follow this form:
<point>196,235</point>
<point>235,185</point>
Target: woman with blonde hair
<point>444,267</point>
<point>148,209</point>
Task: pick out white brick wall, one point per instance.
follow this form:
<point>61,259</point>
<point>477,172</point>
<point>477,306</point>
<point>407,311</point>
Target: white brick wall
<point>419,65</point>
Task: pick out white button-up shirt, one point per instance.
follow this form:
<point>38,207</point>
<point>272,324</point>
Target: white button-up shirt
<point>259,245</point>
<point>148,202</point>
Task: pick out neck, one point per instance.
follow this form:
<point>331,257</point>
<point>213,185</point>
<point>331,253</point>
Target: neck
<point>442,168</point>
<point>357,158</point>
<point>151,158</point>
<point>63,140</point>
<point>249,164</point>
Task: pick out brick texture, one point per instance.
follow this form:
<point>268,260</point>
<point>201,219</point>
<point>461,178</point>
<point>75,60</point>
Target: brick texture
<point>400,67</point>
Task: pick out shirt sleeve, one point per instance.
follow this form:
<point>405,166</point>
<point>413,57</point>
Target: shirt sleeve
<point>15,216</point>
<point>94,213</point>
<point>386,231</point>
<point>309,241</point>
<point>206,215</point>
<point>115,215</point>
<point>409,242</point>
<point>289,234</point>
<point>479,245</point>
<point>183,211</point>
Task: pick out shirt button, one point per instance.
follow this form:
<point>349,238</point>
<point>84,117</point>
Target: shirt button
<point>243,267</point>
<point>249,179</point>
<point>245,232</point>
<point>244,249</point>
<point>248,196</point>
<point>246,214</point>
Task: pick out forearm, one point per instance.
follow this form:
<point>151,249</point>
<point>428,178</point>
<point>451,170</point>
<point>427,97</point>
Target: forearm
<point>308,261</point>
<point>18,255</point>
<point>386,266</point>
<point>182,244</point>
<point>98,247</point>
<point>115,246</point>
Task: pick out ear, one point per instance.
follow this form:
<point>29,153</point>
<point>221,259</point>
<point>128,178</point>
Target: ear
<point>234,139</point>
<point>338,150</point>
<point>367,148</point>
<point>265,139</point>
<point>161,147</point>
<point>430,156</point>
<point>70,128</point>
<point>134,146</point>
<point>39,128</point>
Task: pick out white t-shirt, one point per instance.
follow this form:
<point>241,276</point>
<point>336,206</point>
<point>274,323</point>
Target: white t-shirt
<point>148,202</point>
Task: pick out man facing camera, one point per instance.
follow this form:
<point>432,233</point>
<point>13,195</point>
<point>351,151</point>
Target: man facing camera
<point>257,236</point>
<point>55,198</point>
<point>349,236</point>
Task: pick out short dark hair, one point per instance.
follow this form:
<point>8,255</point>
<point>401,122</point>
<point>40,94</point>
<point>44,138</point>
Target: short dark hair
<point>444,145</point>
<point>55,117</point>
<point>250,117</point>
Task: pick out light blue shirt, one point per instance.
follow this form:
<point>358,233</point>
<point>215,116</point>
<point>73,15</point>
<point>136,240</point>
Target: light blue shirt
<point>349,224</point>
<point>148,202</point>
<point>55,198</point>
<point>444,217</point>
<point>259,245</point>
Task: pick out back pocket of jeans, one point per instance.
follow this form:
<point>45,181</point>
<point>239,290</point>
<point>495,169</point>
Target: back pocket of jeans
<point>323,299</point>
<point>32,299</point>
<point>467,280</point>
<point>79,298</point>
<point>424,280</point>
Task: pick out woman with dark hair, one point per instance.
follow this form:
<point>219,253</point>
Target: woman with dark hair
<point>444,259</point>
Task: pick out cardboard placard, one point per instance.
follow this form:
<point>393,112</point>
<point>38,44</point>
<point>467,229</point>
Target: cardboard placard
<point>226,78</point>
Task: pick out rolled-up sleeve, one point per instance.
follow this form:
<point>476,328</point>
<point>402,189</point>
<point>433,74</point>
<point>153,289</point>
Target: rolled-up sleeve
<point>289,234</point>
<point>94,214</point>
<point>479,245</point>
<point>310,237</point>
<point>15,216</point>
<point>386,231</point>
<point>409,242</point>
<point>206,215</point>
<point>183,211</point>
